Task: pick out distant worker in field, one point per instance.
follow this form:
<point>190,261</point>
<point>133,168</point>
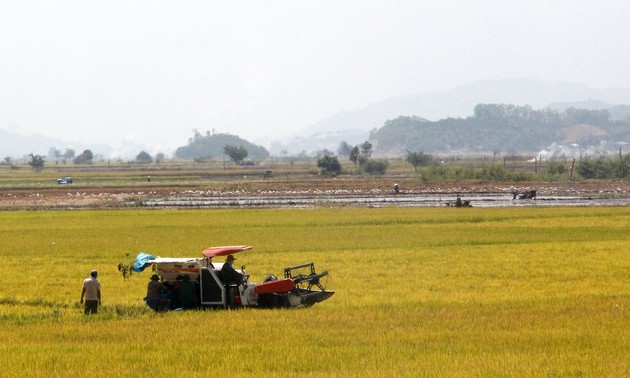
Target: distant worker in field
<point>92,293</point>
<point>155,298</point>
<point>458,202</point>
<point>229,274</point>
<point>396,189</point>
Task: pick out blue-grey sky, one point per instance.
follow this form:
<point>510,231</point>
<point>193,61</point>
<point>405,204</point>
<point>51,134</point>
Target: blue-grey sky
<point>109,71</point>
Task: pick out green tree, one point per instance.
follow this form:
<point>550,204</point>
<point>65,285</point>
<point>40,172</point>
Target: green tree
<point>365,152</point>
<point>85,158</point>
<point>68,155</point>
<point>354,155</point>
<point>144,157</point>
<point>159,157</point>
<point>54,154</point>
<point>329,165</point>
<point>236,154</point>
<point>418,159</point>
<point>37,162</point>
<point>344,149</point>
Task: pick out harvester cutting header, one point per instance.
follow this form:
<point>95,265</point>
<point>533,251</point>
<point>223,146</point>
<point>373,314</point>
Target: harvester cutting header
<point>200,282</point>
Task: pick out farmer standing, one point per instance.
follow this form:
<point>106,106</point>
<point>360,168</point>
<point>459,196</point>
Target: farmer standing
<point>92,293</point>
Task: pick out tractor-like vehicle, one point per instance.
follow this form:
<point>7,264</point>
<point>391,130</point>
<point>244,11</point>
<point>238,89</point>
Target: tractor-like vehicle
<point>300,286</point>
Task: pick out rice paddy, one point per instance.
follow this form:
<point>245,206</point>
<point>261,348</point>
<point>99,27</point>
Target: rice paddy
<point>419,292</point>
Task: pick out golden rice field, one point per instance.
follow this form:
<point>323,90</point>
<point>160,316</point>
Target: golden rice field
<point>439,292</point>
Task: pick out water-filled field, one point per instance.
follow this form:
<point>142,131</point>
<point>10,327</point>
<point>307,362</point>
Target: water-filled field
<point>381,200</point>
<point>419,292</point>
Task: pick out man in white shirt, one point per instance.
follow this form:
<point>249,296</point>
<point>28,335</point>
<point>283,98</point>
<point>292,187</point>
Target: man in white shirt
<point>92,293</point>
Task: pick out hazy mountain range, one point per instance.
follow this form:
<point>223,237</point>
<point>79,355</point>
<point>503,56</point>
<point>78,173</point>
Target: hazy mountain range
<point>354,126</point>
<point>18,146</point>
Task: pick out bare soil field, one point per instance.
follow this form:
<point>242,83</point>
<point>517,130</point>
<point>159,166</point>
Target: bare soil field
<point>246,192</point>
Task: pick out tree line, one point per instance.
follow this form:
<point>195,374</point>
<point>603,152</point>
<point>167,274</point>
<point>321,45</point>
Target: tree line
<point>37,162</point>
<point>211,145</point>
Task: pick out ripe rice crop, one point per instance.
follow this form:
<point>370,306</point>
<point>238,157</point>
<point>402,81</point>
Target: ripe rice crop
<point>419,292</point>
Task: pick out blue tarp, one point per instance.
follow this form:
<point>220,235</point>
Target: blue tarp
<point>142,262</point>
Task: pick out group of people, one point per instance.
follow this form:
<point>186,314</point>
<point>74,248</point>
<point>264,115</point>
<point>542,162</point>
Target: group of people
<point>182,293</point>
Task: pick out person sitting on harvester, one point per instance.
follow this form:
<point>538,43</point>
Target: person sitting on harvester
<point>229,274</point>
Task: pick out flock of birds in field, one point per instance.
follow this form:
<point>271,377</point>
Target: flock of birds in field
<point>334,192</point>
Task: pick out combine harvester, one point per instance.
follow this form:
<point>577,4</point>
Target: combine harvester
<point>301,285</point>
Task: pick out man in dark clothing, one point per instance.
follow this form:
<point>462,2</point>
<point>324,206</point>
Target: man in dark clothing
<point>229,274</point>
<point>154,297</point>
<point>187,293</point>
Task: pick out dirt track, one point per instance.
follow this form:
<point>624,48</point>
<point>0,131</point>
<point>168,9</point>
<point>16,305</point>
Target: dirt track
<point>75,196</point>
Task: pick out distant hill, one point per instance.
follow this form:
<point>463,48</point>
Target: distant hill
<point>456,103</point>
<point>587,104</point>
<point>210,146</point>
<point>16,146</point>
<point>617,112</point>
<point>507,129</point>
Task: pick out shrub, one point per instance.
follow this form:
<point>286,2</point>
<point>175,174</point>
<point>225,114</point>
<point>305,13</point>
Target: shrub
<point>375,167</point>
<point>556,168</point>
<point>329,165</point>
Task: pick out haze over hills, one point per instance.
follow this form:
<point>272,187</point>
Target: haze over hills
<point>354,126</point>
<point>18,146</point>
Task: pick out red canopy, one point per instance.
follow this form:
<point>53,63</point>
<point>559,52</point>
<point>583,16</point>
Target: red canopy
<point>225,250</point>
